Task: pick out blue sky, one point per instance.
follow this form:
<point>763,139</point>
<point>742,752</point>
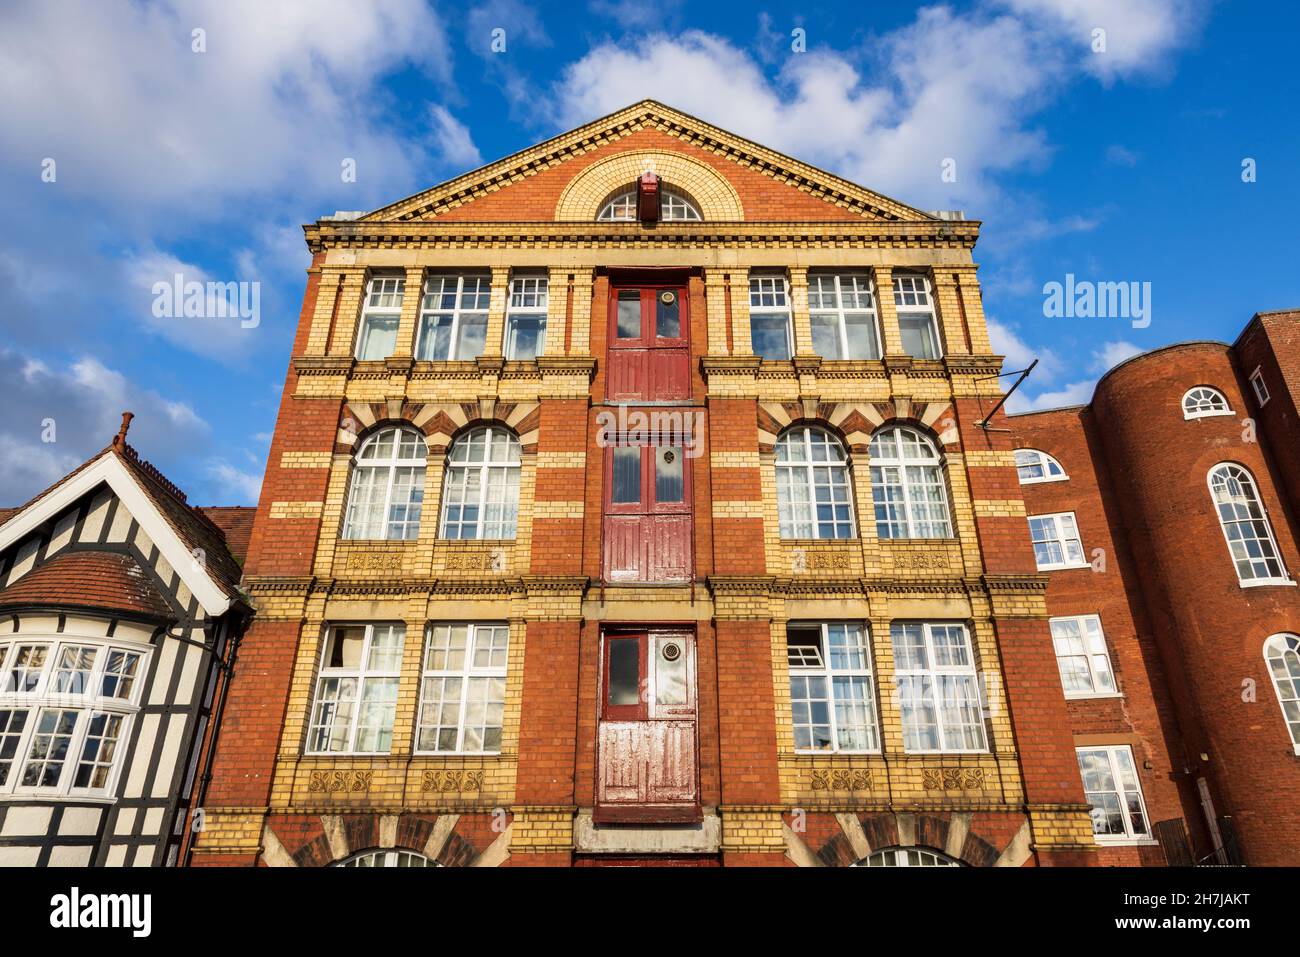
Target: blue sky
<point>1122,164</point>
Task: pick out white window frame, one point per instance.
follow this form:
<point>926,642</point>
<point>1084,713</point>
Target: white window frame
<point>1267,543</point>
<point>459,312</point>
<point>43,697</point>
<point>1282,654</point>
<point>1114,766</point>
<point>1095,653</point>
<point>1261,388</point>
<point>458,473</point>
<point>963,677</point>
<point>362,673</point>
<point>1061,537</point>
<point>844,286</point>
<point>915,521</point>
<point>529,298</point>
<point>805,474</point>
<point>917,287</point>
<point>1037,458</point>
<point>774,287</point>
<point>1203,402</point>
<point>674,207</point>
<point>907,857</point>
<point>479,636</point>
<point>384,294</point>
<point>357,527</point>
<point>388,857</point>
<point>824,667</point>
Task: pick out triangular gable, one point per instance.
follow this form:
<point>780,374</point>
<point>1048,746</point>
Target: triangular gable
<point>109,468</point>
<point>609,129</point>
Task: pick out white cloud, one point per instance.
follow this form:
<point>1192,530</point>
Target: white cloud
<point>1019,354</point>
<point>1077,391</point>
<point>960,86</point>
<point>78,406</point>
<point>236,487</point>
<point>1112,354</point>
<point>452,141</point>
<point>635,14</point>
<point>1117,155</point>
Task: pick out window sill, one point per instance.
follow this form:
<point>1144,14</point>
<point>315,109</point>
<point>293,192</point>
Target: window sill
<point>1044,481</point>
<point>983,752</point>
<point>27,797</point>
<point>836,754</point>
<point>458,754</point>
<point>1105,695</point>
<point>1208,415</point>
<point>1062,568</point>
<point>1109,841</point>
<point>1266,582</point>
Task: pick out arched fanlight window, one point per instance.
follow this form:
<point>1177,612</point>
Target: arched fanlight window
<point>481,495</point>
<point>1035,466</point>
<point>387,486</point>
<point>908,857</point>
<point>907,485</point>
<point>1282,655</point>
<point>390,857</point>
<point>1245,525</point>
<point>673,208</point>
<point>812,485</point>
<point>1204,401</point>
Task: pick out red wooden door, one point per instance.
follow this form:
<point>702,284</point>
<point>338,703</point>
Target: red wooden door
<point>647,513</point>
<point>647,760</point>
<point>648,329</point>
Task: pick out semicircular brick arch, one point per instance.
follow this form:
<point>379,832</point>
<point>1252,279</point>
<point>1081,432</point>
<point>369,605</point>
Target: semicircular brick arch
<point>327,839</point>
<point>439,421</point>
<point>717,199</point>
<point>961,836</point>
<point>856,421</point>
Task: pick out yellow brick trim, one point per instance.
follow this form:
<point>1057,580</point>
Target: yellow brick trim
<point>750,509</point>
<point>305,460</point>
<point>716,198</point>
<point>561,460</point>
<point>998,508</point>
<point>549,509</point>
<point>989,458</point>
<point>734,460</point>
<point>296,509</point>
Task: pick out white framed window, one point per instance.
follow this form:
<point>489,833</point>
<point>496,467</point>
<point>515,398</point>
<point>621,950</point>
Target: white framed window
<point>832,699</point>
<point>1056,541</point>
<point>1282,655</point>
<point>1082,657</point>
<point>770,330</point>
<point>392,857</point>
<point>676,208</point>
<point>387,490</point>
<point>938,687</point>
<point>356,689</point>
<point>917,325</point>
<point>526,317</point>
<point>463,688</point>
<point>908,485</point>
<point>908,857</point>
<point>377,338</point>
<point>454,316</point>
<point>1245,525</point>
<point>481,493</point>
<point>66,708</point>
<point>842,311</point>
<point>1110,782</point>
<point>1261,390</point>
<point>813,497</point>
<point>1033,466</point>
<point>673,208</point>
<point>1204,401</point>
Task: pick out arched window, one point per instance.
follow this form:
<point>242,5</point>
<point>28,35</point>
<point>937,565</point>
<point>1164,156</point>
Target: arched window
<point>1035,466</point>
<point>1282,655</point>
<point>812,485</point>
<point>673,208</point>
<point>1245,526</point>
<point>387,486</point>
<point>1204,401</point>
<point>907,485</point>
<point>481,497</point>
<point>908,857</point>
<point>391,857</point>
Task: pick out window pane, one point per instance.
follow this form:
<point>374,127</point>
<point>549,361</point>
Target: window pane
<point>860,330</point>
<point>378,337</point>
<point>667,315</point>
<point>627,475</point>
<point>526,337</point>
<point>629,314</point>
<point>670,673</point>
<point>624,671</point>
<point>473,337</point>
<point>769,336</point>
<point>668,475</point>
<point>826,336</point>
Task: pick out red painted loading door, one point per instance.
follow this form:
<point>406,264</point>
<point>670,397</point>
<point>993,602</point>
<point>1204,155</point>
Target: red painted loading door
<point>646,764</point>
<point>647,513</point>
<point>648,344</point>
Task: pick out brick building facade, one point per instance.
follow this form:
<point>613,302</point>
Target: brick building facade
<point>636,498</point>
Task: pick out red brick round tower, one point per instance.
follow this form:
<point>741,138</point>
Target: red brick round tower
<point>1211,614</point>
